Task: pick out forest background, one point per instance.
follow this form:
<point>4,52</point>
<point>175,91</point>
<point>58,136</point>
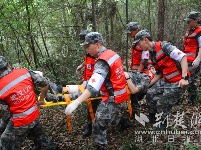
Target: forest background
<point>43,34</point>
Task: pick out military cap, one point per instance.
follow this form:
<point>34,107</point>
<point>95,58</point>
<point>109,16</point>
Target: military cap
<point>192,16</point>
<point>3,62</point>
<point>141,35</point>
<point>82,36</point>
<point>93,37</point>
<point>132,26</point>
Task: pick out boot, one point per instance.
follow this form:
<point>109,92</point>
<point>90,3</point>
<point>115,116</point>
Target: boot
<point>163,125</point>
<point>134,104</point>
<point>124,124</point>
<point>133,115</point>
<point>192,99</point>
<point>88,131</point>
<point>36,147</point>
<point>101,147</point>
<point>152,118</point>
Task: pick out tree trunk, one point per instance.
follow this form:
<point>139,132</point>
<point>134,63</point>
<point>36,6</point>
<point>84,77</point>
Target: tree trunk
<point>149,14</point>
<point>127,36</point>
<point>93,16</point>
<point>161,19</point>
<point>30,39</point>
<point>106,23</point>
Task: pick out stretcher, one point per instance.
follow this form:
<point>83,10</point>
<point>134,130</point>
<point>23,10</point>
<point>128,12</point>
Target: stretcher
<point>91,112</point>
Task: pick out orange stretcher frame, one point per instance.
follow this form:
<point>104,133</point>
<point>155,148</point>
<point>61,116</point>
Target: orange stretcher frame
<point>91,112</point>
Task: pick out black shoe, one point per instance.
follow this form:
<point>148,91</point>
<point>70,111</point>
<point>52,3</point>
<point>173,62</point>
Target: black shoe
<point>133,115</point>
<point>88,131</point>
<point>101,147</point>
<point>192,99</point>
<point>162,126</point>
<point>191,102</point>
<point>36,147</point>
<point>124,124</point>
<point>152,117</point>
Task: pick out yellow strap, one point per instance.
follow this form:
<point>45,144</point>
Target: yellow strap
<point>129,101</point>
<point>68,101</point>
<point>81,88</point>
<point>68,117</point>
<point>64,89</point>
<point>51,103</point>
<point>91,112</point>
<point>47,104</point>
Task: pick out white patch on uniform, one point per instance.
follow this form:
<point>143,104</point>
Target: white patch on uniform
<point>96,81</point>
<point>39,73</point>
<point>199,42</point>
<point>177,55</point>
<point>145,55</point>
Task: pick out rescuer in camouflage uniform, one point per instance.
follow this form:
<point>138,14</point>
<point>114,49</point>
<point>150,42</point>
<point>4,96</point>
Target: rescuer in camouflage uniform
<point>138,83</point>
<point>137,63</point>
<point>74,95</point>
<point>170,79</point>
<point>14,134</point>
<point>140,80</point>
<point>5,116</point>
<point>192,49</point>
<point>108,112</point>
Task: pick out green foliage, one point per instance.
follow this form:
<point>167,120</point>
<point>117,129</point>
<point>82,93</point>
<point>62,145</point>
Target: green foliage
<point>199,96</point>
<point>43,34</point>
<point>129,146</point>
<point>170,146</point>
<point>191,146</point>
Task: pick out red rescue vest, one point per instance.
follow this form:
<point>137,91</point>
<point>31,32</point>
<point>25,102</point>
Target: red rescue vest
<point>89,63</point>
<point>167,65</point>
<point>117,77</point>
<point>191,44</point>
<point>147,70</point>
<point>135,57</point>
<point>17,90</point>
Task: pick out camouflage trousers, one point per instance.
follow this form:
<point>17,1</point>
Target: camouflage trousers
<point>141,81</point>
<point>12,137</point>
<point>135,98</point>
<point>5,117</point>
<point>95,104</point>
<point>162,96</point>
<point>192,88</point>
<point>106,114</point>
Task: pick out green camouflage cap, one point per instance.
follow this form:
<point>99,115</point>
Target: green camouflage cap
<point>132,26</point>
<point>141,35</point>
<point>93,37</point>
<point>82,36</point>
<point>192,16</point>
<point>3,62</point>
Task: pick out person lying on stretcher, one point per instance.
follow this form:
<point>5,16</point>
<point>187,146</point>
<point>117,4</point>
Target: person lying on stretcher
<point>136,81</point>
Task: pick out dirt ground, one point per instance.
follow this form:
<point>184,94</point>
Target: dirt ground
<point>183,132</point>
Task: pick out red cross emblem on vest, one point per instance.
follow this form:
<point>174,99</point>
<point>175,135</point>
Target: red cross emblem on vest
<point>93,80</point>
